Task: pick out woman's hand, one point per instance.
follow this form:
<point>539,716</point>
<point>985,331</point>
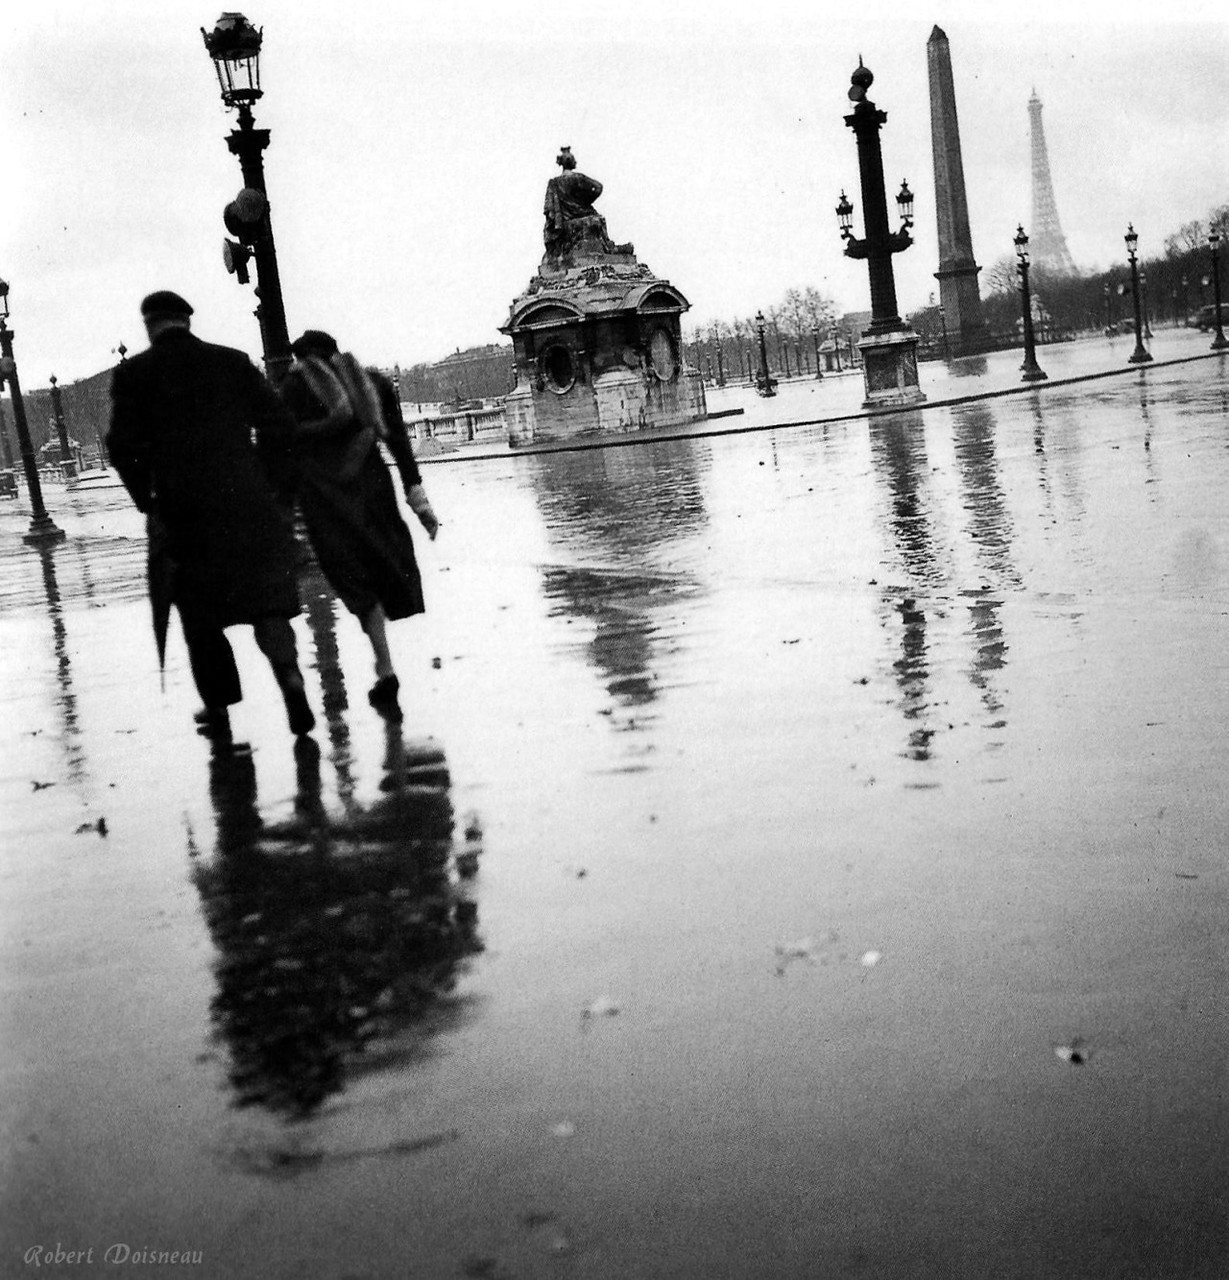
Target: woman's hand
<point>416,496</point>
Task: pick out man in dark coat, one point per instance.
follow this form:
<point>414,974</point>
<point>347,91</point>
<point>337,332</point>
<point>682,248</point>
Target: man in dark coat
<point>201,441</point>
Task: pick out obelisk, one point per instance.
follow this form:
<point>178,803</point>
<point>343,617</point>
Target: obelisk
<point>957,273</point>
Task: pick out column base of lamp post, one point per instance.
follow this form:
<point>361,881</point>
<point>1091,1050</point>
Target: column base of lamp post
<point>1035,373</point>
<point>1139,355</point>
<point>43,529</point>
<point>1220,342</point>
<point>889,366</point>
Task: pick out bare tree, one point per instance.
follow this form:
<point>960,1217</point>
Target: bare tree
<point>1187,237</point>
<point>1002,276</point>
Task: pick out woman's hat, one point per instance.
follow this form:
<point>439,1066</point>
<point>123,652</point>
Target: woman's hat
<point>313,341</point>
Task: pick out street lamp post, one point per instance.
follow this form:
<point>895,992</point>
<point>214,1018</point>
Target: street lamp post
<point>819,373</point>
<point>67,462</point>
<point>1140,355</point>
<point>765,384</point>
<point>943,326</point>
<point>234,47</point>
<point>1143,302</point>
<point>42,528</point>
<point>1219,343</point>
<point>888,346</point>
<point>1033,372</point>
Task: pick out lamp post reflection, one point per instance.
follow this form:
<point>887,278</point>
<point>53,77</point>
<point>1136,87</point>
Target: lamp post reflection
<point>66,698</point>
<point>320,605</point>
<point>991,531</point>
<point>898,457</point>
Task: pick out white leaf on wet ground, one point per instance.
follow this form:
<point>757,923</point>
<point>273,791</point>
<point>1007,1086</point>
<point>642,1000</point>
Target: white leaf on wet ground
<point>1075,1053</point>
<point>602,1007</point>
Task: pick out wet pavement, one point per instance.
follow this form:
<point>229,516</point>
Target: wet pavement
<point>803,855</point>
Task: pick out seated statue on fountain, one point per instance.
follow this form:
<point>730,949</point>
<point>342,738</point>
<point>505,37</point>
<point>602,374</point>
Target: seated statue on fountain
<point>573,227</point>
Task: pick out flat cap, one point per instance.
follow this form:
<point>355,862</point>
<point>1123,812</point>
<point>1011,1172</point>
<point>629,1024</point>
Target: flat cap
<point>165,303</point>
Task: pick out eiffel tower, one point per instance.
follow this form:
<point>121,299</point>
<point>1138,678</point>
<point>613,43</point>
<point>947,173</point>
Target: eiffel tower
<point>1047,244</point>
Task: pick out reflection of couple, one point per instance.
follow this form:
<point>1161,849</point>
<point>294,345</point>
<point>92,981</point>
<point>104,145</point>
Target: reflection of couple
<point>335,938</point>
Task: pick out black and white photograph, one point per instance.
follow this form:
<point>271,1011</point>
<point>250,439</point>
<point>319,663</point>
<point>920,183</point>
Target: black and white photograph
<point>615,630</point>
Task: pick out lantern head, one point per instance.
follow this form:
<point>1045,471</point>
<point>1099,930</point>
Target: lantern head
<point>904,202</point>
<point>234,46</point>
<point>844,214</point>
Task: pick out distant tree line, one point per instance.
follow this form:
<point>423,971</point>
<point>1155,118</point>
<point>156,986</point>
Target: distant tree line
<point>797,331</point>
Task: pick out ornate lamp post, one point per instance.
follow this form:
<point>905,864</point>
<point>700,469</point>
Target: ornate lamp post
<point>888,346</point>
<point>1033,372</point>
<point>819,373</point>
<point>234,46</point>
<point>1219,343</point>
<point>1140,355</point>
<point>67,462</point>
<point>765,383</point>
<point>42,528</point>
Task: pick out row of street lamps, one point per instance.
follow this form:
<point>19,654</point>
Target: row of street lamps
<point>1141,355</point>
<point>234,47</point>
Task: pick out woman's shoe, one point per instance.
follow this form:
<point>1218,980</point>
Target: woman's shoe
<point>383,696</point>
<point>298,711</point>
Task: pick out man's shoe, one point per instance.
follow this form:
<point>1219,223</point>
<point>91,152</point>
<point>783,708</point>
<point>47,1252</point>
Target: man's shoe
<point>213,723</point>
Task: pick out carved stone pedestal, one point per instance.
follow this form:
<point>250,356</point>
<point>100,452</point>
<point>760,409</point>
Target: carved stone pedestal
<point>889,364</point>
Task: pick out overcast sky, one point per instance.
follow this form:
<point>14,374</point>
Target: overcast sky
<point>411,147</point>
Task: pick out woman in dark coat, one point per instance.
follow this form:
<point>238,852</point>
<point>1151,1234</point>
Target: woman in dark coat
<point>346,493</point>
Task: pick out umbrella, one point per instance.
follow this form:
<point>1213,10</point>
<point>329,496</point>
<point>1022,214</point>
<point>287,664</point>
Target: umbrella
<point>162,572</point>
